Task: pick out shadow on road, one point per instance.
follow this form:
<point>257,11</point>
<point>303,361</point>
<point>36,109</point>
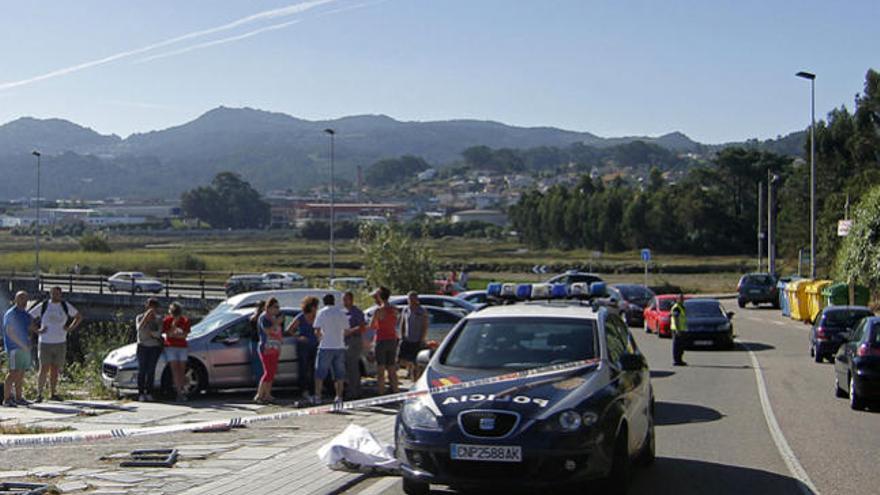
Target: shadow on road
<point>754,346</point>
<point>677,413</point>
<point>685,476</point>
<point>661,373</point>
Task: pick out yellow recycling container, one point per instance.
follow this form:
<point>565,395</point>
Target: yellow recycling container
<point>815,301</point>
<point>800,309</point>
<point>791,295</point>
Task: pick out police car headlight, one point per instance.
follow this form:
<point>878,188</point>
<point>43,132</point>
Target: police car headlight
<point>416,414</point>
<point>589,418</point>
<point>570,420</point>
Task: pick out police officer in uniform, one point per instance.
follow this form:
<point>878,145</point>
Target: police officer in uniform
<point>678,324</point>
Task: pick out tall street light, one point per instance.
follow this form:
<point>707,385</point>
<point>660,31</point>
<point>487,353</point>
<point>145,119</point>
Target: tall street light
<point>812,78</point>
<point>37,230</point>
<point>332,135</point>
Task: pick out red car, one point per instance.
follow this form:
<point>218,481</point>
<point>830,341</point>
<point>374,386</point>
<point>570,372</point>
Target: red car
<point>657,315</point>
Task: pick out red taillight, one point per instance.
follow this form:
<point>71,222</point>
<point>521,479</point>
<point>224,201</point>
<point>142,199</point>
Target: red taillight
<point>821,333</point>
<point>866,350</point>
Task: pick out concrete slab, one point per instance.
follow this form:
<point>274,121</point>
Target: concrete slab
<point>13,474</point>
<point>253,453</point>
<point>49,471</point>
<point>72,486</point>
<point>120,477</point>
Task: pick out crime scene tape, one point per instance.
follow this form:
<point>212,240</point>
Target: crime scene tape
<point>39,440</point>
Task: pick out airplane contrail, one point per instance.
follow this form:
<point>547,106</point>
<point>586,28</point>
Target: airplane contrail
<point>259,16</point>
<point>222,41</point>
<point>255,32</point>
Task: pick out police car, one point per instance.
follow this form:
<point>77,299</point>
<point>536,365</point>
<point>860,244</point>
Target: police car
<point>564,398</point>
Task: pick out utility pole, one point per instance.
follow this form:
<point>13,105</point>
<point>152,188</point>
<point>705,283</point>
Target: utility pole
<point>332,134</point>
<point>771,220</point>
<point>760,226</point>
<point>37,230</point>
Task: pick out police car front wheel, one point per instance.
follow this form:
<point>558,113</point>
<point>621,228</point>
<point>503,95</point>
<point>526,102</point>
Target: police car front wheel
<point>412,487</point>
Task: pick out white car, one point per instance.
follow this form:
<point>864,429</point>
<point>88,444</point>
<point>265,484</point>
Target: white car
<point>283,280</point>
<point>286,298</point>
<point>134,282</point>
<point>479,298</point>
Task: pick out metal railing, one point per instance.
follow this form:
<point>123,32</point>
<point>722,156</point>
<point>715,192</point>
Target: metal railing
<point>171,286</point>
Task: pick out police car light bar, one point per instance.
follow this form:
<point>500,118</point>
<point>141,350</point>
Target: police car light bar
<point>545,291</point>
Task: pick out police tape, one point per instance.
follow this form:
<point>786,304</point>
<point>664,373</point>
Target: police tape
<point>40,440</point>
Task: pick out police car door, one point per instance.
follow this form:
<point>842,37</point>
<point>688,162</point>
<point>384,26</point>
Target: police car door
<point>632,384</point>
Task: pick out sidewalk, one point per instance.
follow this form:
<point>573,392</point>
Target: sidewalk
<point>273,457</point>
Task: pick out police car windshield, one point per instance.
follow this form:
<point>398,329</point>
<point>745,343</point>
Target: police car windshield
<point>520,343</point>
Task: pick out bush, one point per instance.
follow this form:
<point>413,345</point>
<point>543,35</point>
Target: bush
<point>858,259</point>
<point>185,260</point>
<point>395,260</point>
<point>95,243</point>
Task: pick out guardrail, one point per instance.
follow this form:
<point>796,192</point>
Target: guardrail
<point>191,287</point>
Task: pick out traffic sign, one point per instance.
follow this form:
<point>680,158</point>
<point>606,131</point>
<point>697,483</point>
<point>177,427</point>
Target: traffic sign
<point>646,255</point>
<point>539,269</point>
<point>843,227</point>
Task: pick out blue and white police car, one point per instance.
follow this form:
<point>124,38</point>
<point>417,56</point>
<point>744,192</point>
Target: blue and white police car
<point>564,398</point>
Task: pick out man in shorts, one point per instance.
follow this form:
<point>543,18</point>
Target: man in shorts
<point>414,321</point>
<point>56,318</point>
<point>354,345</point>
<point>17,327</point>
<point>330,326</point>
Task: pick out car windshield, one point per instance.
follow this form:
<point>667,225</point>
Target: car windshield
<point>845,318</point>
<point>212,322</point>
<point>665,304</point>
<point>759,280</point>
<point>520,343</point>
<point>702,309</point>
<point>634,292</point>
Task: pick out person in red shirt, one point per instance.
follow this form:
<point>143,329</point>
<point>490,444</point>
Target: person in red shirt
<point>175,328</point>
<point>385,323</point>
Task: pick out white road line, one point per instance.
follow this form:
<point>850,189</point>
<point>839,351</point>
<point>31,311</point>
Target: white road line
<point>380,486</point>
<point>794,466</point>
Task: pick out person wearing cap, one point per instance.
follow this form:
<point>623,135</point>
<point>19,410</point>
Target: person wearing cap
<point>149,348</point>
<point>384,322</point>
<point>17,327</point>
<point>414,321</point>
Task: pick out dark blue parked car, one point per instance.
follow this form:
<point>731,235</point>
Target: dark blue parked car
<point>857,364</point>
<point>831,329</point>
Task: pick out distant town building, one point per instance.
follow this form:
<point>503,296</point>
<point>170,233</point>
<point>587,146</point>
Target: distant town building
<point>352,212</point>
<point>495,217</point>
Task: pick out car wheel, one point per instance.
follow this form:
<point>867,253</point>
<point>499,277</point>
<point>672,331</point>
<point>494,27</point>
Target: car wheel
<point>196,380</point>
<point>412,487</point>
<point>839,392</point>
<point>856,402</point>
<point>617,482</point>
<point>741,303</point>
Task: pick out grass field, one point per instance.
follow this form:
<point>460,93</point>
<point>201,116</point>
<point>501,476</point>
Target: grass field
<point>485,259</point>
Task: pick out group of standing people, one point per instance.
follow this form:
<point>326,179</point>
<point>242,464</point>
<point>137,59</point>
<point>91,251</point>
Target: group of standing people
<point>38,333</point>
<point>158,334</point>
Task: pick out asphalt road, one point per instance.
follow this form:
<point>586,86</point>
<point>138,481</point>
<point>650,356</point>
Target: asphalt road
<point>713,435</point>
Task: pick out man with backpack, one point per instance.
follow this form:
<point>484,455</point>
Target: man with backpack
<point>55,317</point>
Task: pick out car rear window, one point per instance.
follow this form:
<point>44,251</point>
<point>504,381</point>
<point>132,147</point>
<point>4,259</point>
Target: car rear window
<point>844,318</point>
<point>520,343</point>
<point>702,309</point>
<point>634,293</point>
<point>758,280</point>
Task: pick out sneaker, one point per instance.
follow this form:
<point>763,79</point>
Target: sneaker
<point>9,403</point>
<point>142,398</point>
<point>56,398</point>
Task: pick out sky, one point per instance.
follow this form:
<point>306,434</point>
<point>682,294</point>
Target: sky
<point>719,71</point>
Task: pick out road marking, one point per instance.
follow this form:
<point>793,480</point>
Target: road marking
<point>794,466</point>
<point>777,323</point>
<point>380,486</point>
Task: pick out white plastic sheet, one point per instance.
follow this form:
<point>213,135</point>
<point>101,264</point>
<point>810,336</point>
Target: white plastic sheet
<point>356,450</point>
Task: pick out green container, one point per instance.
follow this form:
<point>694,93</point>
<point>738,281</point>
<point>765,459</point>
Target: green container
<point>837,294</point>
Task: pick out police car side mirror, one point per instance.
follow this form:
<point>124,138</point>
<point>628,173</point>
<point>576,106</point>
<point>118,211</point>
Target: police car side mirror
<point>423,357</point>
<point>631,362</point>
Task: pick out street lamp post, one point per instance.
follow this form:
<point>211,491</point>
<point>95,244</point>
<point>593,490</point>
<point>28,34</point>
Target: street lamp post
<point>332,135</point>
<point>812,78</point>
<point>771,221</point>
<point>37,230</point>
